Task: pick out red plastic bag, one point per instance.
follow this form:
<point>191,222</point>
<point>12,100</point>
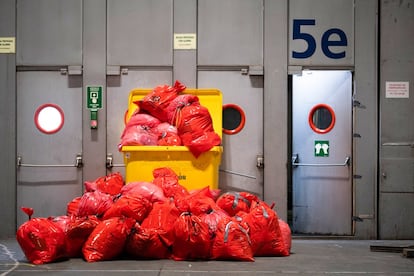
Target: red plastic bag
<point>265,234</point>
<point>212,219</point>
<point>107,240</point>
<point>191,238</point>
<point>194,119</point>
<point>41,241</point>
<point>232,242</point>
<point>138,136</point>
<point>286,234</point>
<point>144,121</point>
<point>196,203</point>
<point>167,179</point>
<point>169,139</point>
<point>147,243</point>
<point>146,189</point>
<point>109,184</point>
<point>77,230</point>
<point>131,206</point>
<point>167,135</point>
<point>234,202</point>
<point>200,144</point>
<point>94,204</point>
<point>162,217</point>
<point>173,109</point>
<point>207,191</point>
<point>157,101</point>
<point>72,208</point>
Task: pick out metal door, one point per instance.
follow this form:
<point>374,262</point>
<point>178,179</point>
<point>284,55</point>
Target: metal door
<point>321,147</point>
<point>49,105</point>
<point>138,56</point>
<point>118,88</point>
<point>241,165</point>
<point>230,58</point>
<point>49,161</point>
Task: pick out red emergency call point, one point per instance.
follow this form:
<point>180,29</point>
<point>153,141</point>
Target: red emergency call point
<point>94,119</point>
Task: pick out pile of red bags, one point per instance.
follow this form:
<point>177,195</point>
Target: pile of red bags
<point>156,220</point>
<point>165,117</point>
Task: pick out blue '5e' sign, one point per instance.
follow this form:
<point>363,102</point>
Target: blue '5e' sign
<point>326,41</point>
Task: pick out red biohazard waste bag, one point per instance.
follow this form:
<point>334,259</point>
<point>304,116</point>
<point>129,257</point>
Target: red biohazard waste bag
<point>109,184</point>
<point>232,241</point>
<point>173,109</point>
<point>41,241</point>
<point>191,238</point>
<point>203,143</point>
<point>286,234</point>
<point>77,230</point>
<point>94,204</point>
<point>72,207</point>
<point>207,191</point>
<point>130,206</point>
<point>145,121</point>
<point>162,217</point>
<point>196,203</point>
<point>147,243</point>
<point>167,135</point>
<point>107,240</point>
<point>169,139</point>
<point>157,101</point>
<point>167,179</point>
<point>234,202</point>
<point>146,189</point>
<point>138,136</point>
<point>265,234</point>
<point>212,219</point>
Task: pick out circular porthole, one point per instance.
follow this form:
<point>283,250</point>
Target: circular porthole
<point>233,119</point>
<point>49,118</point>
<point>322,118</point>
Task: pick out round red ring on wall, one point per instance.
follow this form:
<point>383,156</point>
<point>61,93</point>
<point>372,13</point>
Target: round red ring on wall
<point>234,119</point>
<point>49,118</point>
<point>312,113</point>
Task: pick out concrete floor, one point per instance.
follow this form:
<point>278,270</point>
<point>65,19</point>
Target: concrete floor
<point>309,257</point>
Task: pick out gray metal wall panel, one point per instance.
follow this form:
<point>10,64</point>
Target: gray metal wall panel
<point>8,124</point>
<point>275,104</point>
<point>397,219</point>
<point>397,130</point>
<point>185,61</point>
<point>94,73</point>
<point>366,118</point>
<point>139,32</point>
<point>338,14</point>
<point>49,32</point>
<point>225,37</point>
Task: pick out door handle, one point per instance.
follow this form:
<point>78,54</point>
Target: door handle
<point>296,163</point>
<point>78,163</point>
<point>110,162</point>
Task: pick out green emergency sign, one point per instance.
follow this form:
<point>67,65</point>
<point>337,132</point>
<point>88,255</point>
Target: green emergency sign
<point>94,97</point>
<point>321,148</point>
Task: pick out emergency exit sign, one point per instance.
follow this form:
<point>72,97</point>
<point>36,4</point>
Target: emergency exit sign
<point>94,97</point>
<point>321,148</point>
